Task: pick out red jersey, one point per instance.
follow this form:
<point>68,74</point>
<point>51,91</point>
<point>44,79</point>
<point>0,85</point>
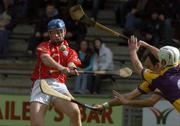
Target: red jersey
<point>62,57</point>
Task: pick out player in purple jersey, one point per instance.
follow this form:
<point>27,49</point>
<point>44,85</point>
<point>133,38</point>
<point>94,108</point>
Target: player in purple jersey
<point>165,83</point>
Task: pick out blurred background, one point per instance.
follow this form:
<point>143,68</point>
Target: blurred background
<point>23,25</point>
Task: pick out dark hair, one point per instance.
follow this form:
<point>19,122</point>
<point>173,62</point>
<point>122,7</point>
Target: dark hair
<point>98,39</point>
<point>153,59</point>
<point>96,50</point>
<point>149,55</point>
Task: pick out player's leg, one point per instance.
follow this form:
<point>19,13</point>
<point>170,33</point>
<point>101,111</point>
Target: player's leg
<point>37,112</point>
<point>70,109</point>
<point>39,104</point>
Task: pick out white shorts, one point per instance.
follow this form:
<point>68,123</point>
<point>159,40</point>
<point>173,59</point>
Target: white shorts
<point>38,96</point>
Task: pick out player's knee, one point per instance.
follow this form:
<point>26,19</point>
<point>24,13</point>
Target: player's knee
<point>75,114</point>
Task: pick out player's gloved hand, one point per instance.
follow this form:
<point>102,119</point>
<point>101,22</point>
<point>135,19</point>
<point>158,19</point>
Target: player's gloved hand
<point>73,71</point>
<point>66,70</point>
<point>70,70</point>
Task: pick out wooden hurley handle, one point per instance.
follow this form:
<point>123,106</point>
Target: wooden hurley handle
<point>106,29</point>
<point>81,72</point>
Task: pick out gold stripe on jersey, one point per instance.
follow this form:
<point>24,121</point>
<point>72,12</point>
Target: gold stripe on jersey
<point>144,86</point>
<point>176,104</point>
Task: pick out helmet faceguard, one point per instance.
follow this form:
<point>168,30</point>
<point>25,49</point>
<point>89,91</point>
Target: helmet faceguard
<point>168,55</point>
<point>57,31</point>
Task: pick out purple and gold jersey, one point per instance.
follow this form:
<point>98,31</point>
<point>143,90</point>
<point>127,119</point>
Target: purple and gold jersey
<point>167,81</point>
<point>144,87</point>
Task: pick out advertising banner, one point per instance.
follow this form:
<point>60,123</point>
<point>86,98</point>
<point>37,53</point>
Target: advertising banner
<point>15,111</point>
<point>162,114</point>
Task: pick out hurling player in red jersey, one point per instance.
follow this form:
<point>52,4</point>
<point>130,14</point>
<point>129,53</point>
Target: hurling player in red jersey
<point>54,54</point>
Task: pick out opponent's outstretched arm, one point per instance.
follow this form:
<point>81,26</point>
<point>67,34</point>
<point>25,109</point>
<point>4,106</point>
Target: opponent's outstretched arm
<point>115,101</point>
<point>147,102</point>
<point>130,95</point>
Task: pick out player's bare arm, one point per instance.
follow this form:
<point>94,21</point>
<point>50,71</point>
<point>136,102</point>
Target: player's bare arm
<point>130,95</point>
<point>115,101</point>
<point>49,61</point>
<point>133,46</point>
<point>152,49</point>
<point>148,102</point>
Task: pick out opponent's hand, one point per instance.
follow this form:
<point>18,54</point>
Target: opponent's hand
<point>143,43</point>
<point>120,97</point>
<point>133,44</point>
